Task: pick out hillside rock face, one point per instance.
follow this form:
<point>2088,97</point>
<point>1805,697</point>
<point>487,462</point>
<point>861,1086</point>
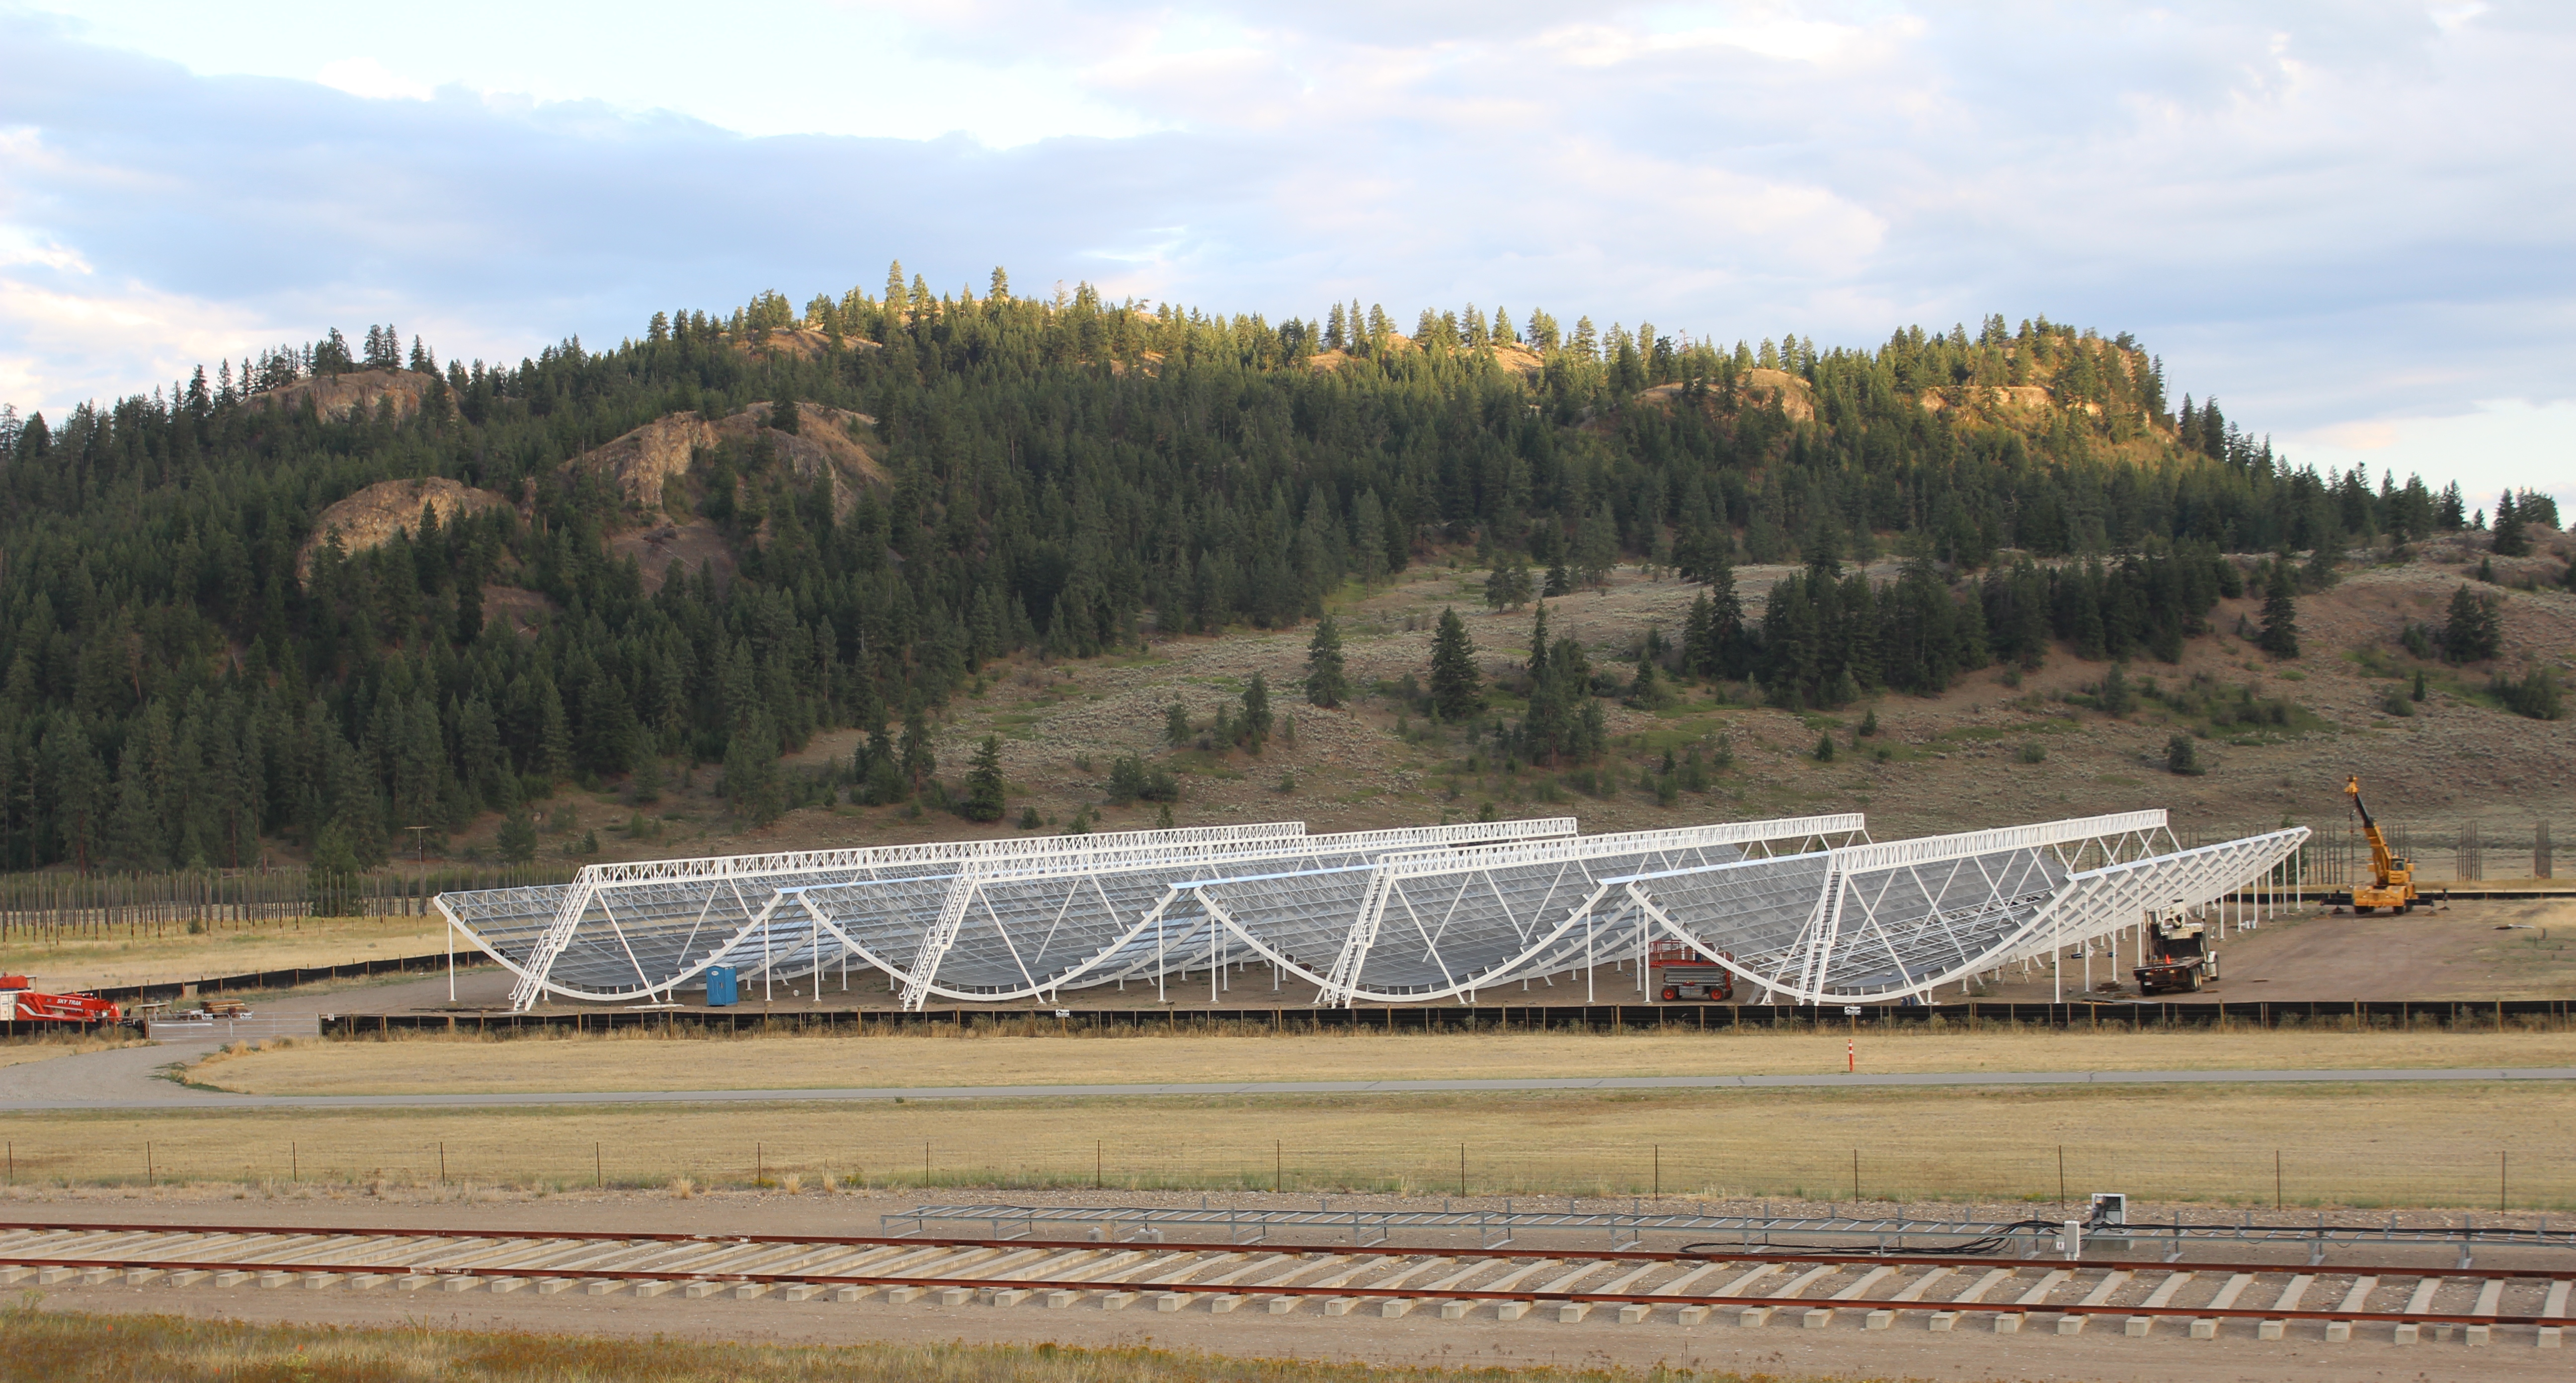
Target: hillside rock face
<point>336,396</point>
<point>643,462</point>
<point>802,342</point>
<point>1760,388</point>
<point>369,518</point>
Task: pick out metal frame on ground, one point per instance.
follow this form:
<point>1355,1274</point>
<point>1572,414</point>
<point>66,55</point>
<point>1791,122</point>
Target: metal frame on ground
<point>1805,909</point>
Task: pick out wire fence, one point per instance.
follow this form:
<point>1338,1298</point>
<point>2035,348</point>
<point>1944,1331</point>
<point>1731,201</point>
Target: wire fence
<point>54,906</point>
<point>2534,1173</point>
<point>2337,855</point>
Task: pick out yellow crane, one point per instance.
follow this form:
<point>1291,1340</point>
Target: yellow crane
<point>2393,885</point>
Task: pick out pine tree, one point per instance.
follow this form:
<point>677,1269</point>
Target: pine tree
<point>1325,683</point>
<point>1176,725</point>
<point>134,830</point>
<point>984,782</point>
<point>1596,549</point>
<point>2452,514</point>
<point>1647,691</point>
<point>2280,613</point>
<point>555,733</point>
<point>919,760</point>
<point>1256,720</point>
<point>2511,539</point>
<point>1457,689</point>
<point>2472,632</point>
<point>518,839</point>
<point>1699,638</point>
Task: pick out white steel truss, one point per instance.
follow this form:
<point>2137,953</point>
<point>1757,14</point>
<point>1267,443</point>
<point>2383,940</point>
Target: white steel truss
<point>1804,909</point>
<point>1876,924</point>
<point>639,931</point>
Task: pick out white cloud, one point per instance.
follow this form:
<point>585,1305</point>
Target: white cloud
<point>2501,444</point>
<point>364,76</point>
<point>2343,215</point>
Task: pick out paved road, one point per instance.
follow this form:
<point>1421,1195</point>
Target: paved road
<point>122,1080</point>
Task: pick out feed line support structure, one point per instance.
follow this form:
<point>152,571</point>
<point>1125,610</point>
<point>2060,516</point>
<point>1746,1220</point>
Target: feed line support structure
<point>1896,920</point>
<point>1423,926</point>
<point>640,931</point>
<point>566,907</point>
<point>1020,912</point>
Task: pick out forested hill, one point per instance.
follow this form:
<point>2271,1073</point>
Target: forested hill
<point>194,662</point>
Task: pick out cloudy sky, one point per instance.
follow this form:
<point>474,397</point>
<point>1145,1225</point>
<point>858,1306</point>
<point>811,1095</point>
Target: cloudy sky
<point>2351,221</point>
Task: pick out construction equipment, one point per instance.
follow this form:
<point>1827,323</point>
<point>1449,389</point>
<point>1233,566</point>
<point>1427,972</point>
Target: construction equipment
<point>2179,956</point>
<point>20,1003</point>
<point>1683,974</point>
<point>2394,879</point>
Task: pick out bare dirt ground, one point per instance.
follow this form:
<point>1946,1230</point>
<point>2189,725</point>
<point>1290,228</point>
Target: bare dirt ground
<point>2465,951</point>
<point>1780,1350</point>
<point>1953,761</point>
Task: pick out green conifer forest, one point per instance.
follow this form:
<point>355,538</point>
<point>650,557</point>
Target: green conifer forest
<point>193,673</point>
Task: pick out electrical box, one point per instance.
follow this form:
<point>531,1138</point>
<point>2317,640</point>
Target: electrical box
<point>723,990</point>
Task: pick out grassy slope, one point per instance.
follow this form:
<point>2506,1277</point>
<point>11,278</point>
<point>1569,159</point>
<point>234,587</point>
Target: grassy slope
<point>1951,762</point>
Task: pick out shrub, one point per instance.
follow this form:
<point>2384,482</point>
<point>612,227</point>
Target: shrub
<point>1131,778</point>
<point>2182,756</point>
<point>2535,694</point>
<point>2033,752</point>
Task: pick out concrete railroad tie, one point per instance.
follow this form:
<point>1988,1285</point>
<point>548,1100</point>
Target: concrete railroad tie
<point>2326,1304</point>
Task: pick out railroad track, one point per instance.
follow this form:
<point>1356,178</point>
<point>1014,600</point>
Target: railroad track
<point>1875,1291</point>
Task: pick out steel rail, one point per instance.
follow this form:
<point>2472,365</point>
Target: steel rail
<point>538,1272</point>
<point>391,1265</point>
<point>1634,1224</point>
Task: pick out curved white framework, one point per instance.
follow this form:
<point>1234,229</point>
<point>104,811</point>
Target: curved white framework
<point>1806,909</point>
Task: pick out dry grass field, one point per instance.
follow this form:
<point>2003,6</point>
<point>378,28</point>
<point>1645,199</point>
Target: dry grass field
<point>2338,1144</point>
<point>58,1345</point>
<point>77,962</point>
<point>19,1050</point>
<point>642,1062</point>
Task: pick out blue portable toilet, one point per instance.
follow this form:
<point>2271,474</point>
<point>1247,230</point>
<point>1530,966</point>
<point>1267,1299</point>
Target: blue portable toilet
<point>722,991</point>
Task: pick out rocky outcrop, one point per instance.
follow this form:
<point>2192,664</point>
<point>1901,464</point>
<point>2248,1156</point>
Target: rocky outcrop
<point>1758,389</point>
<point>802,342</point>
<point>642,463</point>
<point>371,517</point>
<point>337,396</point>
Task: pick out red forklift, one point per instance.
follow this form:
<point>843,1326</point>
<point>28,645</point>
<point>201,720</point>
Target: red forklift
<point>1683,975</point>
<point>20,1003</point>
